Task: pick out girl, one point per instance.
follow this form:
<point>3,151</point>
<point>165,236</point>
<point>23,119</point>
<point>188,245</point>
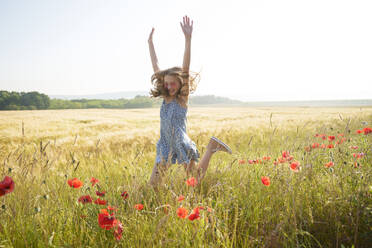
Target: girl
<point>174,85</point>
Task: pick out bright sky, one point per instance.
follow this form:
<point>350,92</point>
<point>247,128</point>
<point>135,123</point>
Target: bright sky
<point>251,50</point>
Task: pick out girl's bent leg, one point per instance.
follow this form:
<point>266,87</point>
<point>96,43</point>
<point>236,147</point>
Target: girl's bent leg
<point>203,164</point>
<point>212,147</point>
<point>157,173</point>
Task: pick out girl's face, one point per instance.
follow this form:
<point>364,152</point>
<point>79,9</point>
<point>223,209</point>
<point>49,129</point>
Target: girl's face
<point>172,83</point>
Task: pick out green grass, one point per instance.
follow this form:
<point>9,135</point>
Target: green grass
<point>315,207</point>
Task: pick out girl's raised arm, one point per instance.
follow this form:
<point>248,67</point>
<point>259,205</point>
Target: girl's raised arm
<point>187,30</point>
<point>154,59</point>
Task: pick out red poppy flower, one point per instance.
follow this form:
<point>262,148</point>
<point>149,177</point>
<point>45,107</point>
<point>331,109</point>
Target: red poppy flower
<point>112,208</point>
<point>250,161</point>
<point>119,231</point>
<point>265,181</point>
<point>329,164</point>
<point>285,154</point>
<point>100,193</point>
<point>341,141</point>
<point>323,146</point>
<point>242,161</point>
<point>191,181</point>
<point>331,138</point>
<point>94,181</point>
<point>182,212</point>
<point>75,183</point>
<point>266,158</point>
<point>100,202</point>
<point>106,220</point>
<point>290,158</point>
<point>125,195</point>
<point>358,155</point>
<point>6,186</point>
<point>295,166</point>
<point>359,131</point>
<point>181,198</point>
<point>367,130</point>
<point>331,146</point>
<point>85,199</point>
<point>138,206</point>
<point>315,145</point>
<point>195,214</point>
<point>196,210</point>
<point>323,136</point>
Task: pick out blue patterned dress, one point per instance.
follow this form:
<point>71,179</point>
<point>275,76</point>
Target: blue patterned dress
<point>174,144</point>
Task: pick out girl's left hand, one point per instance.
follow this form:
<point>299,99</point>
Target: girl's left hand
<point>186,27</point>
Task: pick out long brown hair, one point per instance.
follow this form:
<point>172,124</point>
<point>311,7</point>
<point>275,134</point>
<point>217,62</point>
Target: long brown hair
<point>157,80</point>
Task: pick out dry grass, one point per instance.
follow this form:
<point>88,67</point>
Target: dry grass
<point>93,124</point>
<point>316,207</point>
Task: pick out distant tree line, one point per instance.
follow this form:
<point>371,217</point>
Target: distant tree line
<point>136,102</point>
<point>23,101</point>
<point>35,100</point>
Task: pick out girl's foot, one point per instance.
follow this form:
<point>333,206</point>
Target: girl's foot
<point>217,145</point>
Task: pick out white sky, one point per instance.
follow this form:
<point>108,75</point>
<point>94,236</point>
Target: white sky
<point>248,50</point>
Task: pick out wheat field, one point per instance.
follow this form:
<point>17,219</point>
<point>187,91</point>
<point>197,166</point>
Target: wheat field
<point>308,202</point>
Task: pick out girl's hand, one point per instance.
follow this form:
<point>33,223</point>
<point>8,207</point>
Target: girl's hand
<point>150,37</point>
<point>186,27</point>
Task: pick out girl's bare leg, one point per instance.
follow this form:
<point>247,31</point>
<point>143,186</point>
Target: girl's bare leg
<point>212,147</point>
<point>157,174</point>
<point>203,164</point>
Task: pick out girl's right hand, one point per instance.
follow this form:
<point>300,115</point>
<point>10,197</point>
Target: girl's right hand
<point>150,37</point>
